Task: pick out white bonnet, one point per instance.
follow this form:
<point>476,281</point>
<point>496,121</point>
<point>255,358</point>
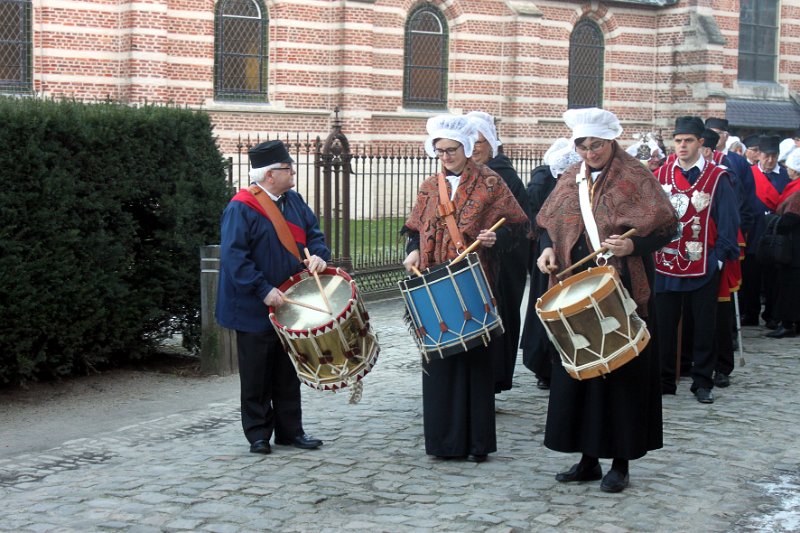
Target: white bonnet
<point>786,147</point>
<point>651,143</point>
<point>560,155</point>
<point>592,122</point>
<point>484,123</point>
<point>454,127</point>
<point>732,139</point>
<point>793,160</point>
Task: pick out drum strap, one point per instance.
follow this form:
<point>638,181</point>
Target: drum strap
<point>276,217</point>
<point>446,209</point>
<point>586,207</point>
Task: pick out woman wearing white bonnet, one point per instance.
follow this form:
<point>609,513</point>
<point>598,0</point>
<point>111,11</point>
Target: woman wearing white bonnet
<point>458,391</point>
<point>538,353</point>
<point>509,287</point>
<point>617,416</point>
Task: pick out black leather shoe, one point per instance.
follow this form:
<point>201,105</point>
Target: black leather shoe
<point>780,333</point>
<point>260,446</point>
<point>476,458</point>
<point>772,324</point>
<point>721,380</point>
<point>615,481</point>
<point>301,441</point>
<point>579,473</point>
<point>542,384</point>
<point>704,395</point>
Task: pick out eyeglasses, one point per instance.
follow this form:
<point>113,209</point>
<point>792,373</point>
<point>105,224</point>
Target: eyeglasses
<point>449,151</point>
<point>290,169</point>
<point>594,147</point>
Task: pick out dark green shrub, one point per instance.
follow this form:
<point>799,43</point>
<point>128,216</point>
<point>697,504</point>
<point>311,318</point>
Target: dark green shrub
<point>102,211</point>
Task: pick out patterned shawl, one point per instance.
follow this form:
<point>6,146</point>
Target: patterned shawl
<point>482,198</point>
<point>790,204</point>
<point>626,196</point>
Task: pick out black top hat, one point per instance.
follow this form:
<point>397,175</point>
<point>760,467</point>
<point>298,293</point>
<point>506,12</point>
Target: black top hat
<point>717,123</point>
<point>269,153</point>
<point>751,141</point>
<point>710,139</point>
<point>689,125</point>
<point>769,144</point>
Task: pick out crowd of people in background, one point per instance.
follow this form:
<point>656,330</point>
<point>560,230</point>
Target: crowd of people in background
<point>716,247</point>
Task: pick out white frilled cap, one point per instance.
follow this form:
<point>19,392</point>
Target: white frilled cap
<point>592,122</point>
<point>484,123</point>
<point>653,145</point>
<point>793,160</point>
<point>563,159</point>
<point>454,127</point>
<point>557,146</point>
<point>732,139</point>
<point>786,147</point>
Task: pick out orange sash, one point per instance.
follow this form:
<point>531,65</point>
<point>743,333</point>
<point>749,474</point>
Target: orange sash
<point>445,209</point>
<point>276,217</point>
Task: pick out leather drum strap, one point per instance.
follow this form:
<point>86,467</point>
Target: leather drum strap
<point>276,217</point>
<point>445,209</point>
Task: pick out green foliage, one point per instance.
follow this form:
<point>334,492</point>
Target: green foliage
<point>103,209</point>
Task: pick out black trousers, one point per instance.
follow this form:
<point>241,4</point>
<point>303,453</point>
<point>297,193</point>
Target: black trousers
<point>723,339</point>
<point>270,388</point>
<point>702,306</point>
<point>750,294</point>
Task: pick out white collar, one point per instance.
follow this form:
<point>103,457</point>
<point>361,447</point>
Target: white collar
<point>274,198</point>
<point>454,181</point>
<point>768,172</point>
<point>700,163</point>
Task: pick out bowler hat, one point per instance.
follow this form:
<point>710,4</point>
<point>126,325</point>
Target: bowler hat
<point>710,139</point>
<point>751,141</point>
<point>269,153</point>
<point>769,144</point>
<point>717,123</point>
<point>689,125</point>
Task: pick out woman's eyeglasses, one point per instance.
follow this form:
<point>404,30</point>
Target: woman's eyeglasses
<point>449,151</point>
<point>594,147</point>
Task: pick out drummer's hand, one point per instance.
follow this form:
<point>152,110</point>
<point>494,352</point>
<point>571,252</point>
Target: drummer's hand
<point>412,260</point>
<point>547,263</point>
<point>316,264</point>
<point>617,246</point>
<point>487,238</point>
<point>274,298</point>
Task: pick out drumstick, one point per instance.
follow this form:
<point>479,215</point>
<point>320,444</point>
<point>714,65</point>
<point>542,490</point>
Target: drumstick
<point>319,283</point>
<point>477,243</point>
<point>594,254</point>
<point>307,306</point>
<point>416,271</point>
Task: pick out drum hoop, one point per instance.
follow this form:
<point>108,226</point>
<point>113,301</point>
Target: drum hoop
<point>343,316</point>
<point>440,271</point>
<point>600,294</point>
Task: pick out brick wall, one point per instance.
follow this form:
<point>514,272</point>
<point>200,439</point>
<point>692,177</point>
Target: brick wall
<point>659,62</point>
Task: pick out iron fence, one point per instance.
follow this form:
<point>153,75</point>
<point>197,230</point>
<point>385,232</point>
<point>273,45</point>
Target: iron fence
<point>361,196</point>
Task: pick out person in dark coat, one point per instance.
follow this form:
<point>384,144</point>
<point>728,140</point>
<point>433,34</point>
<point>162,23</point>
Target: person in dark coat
<point>511,261</point>
<point>264,230</point>
<point>538,353</point>
<point>787,310</point>
<point>458,391</point>
<point>618,415</point>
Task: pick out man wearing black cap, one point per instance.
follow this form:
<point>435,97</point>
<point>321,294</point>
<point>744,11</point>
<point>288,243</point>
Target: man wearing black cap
<point>731,275</point>
<point>770,179</point>
<point>688,269</point>
<point>751,152</point>
<point>264,230</point>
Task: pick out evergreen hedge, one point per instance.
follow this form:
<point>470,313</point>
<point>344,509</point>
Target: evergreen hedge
<point>103,209</point>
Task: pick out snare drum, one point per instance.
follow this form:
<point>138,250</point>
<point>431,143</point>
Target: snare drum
<point>451,307</point>
<point>329,352</point>
<point>592,321</point>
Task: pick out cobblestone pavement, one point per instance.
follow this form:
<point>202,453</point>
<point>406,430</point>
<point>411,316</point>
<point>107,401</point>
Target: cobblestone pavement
<point>730,466</point>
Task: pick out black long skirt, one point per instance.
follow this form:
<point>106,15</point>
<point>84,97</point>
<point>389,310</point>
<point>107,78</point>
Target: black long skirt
<point>509,289</point>
<point>458,404</point>
<point>615,416</point>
